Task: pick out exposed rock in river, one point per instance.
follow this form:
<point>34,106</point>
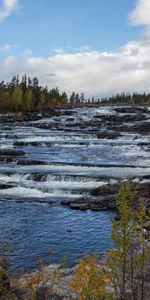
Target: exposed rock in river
<point>132,109</point>
<point>8,152</point>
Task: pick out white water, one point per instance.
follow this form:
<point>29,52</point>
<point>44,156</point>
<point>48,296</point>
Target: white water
<point>31,219</point>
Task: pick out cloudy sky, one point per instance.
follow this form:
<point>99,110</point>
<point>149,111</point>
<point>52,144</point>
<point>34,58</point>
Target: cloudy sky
<point>92,46</point>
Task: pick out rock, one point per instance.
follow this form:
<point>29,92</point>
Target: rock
<point>141,128</point>
<point>70,119</point>
<point>4,186</point>
<point>107,189</point>
<point>108,135</point>
<point>19,117</point>
<point>19,144</point>
<point>97,207</point>
<point>65,202</point>
<point>131,109</point>
<point>123,118</point>
<point>104,198</point>
<point>38,177</point>
<point>31,162</point>
<point>80,206</point>
<point>143,144</point>
<point>7,159</point>
<point>8,152</point>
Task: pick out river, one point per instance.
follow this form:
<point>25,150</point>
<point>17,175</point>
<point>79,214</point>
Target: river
<point>64,157</point>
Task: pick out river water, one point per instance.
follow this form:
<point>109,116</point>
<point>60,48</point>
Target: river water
<point>71,160</point>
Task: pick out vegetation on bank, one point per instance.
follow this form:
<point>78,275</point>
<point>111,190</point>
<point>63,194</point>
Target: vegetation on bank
<point>27,95</point>
<point>125,272</point>
<point>123,275</point>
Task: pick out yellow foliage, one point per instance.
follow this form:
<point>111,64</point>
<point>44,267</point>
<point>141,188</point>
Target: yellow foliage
<point>90,279</point>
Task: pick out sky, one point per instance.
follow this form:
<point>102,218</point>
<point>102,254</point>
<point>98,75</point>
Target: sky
<point>99,47</point>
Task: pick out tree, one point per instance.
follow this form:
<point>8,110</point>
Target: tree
<point>82,98</point>
<point>72,99</point>
<point>89,279</point>
<point>64,98</point>
<point>77,99</point>
<point>28,100</point>
<point>23,84</point>
<point>143,253</point>
<point>127,262</point>
<point>17,98</point>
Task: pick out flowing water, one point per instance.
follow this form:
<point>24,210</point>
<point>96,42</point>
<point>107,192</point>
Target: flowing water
<point>62,160</point>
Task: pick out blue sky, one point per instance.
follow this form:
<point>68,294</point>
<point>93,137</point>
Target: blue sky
<point>42,25</point>
<point>76,39</point>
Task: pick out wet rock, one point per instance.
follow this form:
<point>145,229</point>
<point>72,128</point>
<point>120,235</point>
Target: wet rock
<point>95,207</point>
<point>123,118</point>
<point>19,117</point>
<point>93,203</point>
<point>8,152</point>
<point>132,109</point>
<point>38,177</point>
<point>104,197</point>
<point>66,202</point>
<point>7,159</point>
<point>19,144</point>
<point>143,144</point>
<point>141,128</point>
<point>80,206</point>
<point>70,119</point>
<point>108,135</point>
<point>31,162</point>
<point>44,125</point>
<point>4,186</point>
<point>10,136</point>
<point>107,189</point>
<point>22,144</point>
<point>97,117</point>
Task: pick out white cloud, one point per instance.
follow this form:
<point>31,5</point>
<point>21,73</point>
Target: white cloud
<point>58,50</point>
<point>141,14</point>
<point>8,67</point>
<point>7,47</point>
<point>27,52</point>
<point>95,73</point>
<point>7,7</point>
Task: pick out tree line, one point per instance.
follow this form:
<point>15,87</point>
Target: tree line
<point>28,95</point>
<point>127,98</point>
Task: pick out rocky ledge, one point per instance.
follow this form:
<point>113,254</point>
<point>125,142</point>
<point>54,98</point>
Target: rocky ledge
<point>104,197</point>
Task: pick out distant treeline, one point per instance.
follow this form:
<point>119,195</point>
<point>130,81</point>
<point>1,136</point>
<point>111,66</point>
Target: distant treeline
<point>126,98</point>
<point>27,95</point>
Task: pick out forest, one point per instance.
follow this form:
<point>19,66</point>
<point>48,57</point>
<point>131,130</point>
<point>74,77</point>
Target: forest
<point>27,95</point>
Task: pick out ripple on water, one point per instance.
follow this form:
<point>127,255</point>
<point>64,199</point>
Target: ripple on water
<point>32,229</point>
